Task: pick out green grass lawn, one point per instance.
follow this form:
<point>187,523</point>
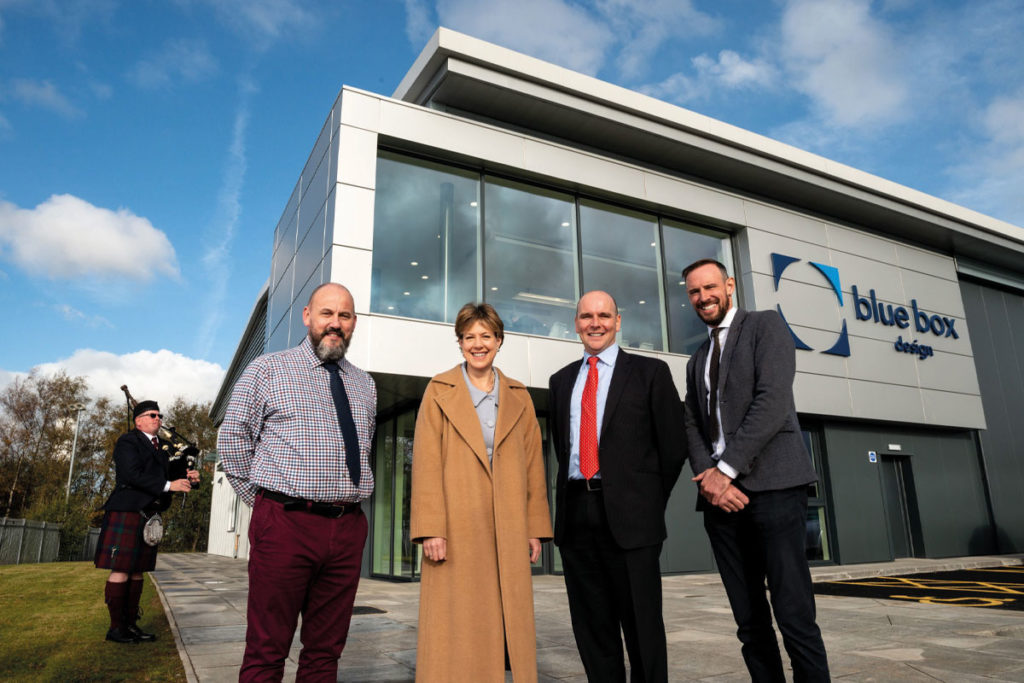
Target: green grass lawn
<point>52,626</point>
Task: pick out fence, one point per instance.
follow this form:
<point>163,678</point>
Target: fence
<point>23,541</point>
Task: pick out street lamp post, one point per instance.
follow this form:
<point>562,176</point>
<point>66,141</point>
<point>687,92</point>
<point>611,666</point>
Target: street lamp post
<point>78,408</point>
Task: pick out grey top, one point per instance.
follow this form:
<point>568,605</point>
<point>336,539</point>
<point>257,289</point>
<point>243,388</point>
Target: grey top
<point>486,405</point>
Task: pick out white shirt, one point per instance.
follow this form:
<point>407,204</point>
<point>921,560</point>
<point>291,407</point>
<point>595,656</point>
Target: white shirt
<point>719,443</point>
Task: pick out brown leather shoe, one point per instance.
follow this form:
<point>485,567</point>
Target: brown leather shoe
<point>121,635</point>
<point>139,634</point>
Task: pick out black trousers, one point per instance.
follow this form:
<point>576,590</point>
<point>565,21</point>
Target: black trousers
<point>614,594</point>
<point>766,542</point>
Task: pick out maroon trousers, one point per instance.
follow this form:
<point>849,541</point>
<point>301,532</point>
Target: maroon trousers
<point>300,563</point>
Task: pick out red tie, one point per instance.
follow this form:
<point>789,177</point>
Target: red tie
<point>588,423</point>
<point>156,443</point>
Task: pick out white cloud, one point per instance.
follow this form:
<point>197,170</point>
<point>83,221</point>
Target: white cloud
<point>729,71</point>
<point>6,377</point>
<point>552,30</point>
<point>66,237</point>
<point>68,17</point>
<point>159,375</point>
<point>43,94</point>
<point>732,71</point>
<point>991,179</point>
<point>845,60</point>
<point>72,314</point>
<point>642,28</point>
<point>185,60</point>
<point>217,257</point>
<point>419,25</point>
<point>266,21</point>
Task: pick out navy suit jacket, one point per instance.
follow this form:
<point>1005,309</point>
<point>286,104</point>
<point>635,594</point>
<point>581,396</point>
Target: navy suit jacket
<point>141,473</point>
<point>763,441</point>
<point>642,447</point>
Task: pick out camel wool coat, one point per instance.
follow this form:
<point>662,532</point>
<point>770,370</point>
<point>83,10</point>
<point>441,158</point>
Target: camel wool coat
<point>482,594</point>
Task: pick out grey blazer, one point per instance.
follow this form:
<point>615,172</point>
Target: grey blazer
<point>762,435</point>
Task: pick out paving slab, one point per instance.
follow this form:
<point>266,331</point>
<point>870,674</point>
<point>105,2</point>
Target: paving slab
<point>868,639</point>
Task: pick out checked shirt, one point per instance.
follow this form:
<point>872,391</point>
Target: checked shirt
<point>281,433</point>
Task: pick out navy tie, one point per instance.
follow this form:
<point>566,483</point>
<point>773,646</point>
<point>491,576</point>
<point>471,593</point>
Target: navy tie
<point>348,427</point>
<point>716,360</point>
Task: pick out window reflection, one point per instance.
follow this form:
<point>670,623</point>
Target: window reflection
<point>620,256</point>
<point>426,222</point>
<point>535,260</point>
<point>683,244</point>
<point>529,257</point>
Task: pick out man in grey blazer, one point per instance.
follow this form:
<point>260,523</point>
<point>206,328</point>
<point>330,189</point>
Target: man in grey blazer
<point>752,469</point>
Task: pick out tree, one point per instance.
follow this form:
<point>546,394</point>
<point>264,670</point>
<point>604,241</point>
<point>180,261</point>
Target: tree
<point>37,431</point>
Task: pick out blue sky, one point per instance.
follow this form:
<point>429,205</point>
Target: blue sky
<point>148,147</point>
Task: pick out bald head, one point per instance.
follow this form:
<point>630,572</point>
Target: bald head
<point>597,321</point>
<point>330,317</point>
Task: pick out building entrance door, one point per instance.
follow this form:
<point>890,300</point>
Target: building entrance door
<point>900,505</point>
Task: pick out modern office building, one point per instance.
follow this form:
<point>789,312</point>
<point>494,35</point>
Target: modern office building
<point>490,175</point>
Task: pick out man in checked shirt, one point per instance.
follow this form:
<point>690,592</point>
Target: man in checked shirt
<point>288,447</point>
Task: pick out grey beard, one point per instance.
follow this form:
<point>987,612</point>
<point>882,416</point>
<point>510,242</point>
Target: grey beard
<point>329,353</point>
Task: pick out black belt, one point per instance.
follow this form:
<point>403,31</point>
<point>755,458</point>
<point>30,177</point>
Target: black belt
<point>583,485</point>
<point>316,507</point>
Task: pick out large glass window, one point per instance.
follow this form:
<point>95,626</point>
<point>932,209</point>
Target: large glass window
<point>541,248</point>
<point>682,245</point>
<point>426,225</point>
<point>620,256</point>
<point>530,264</point>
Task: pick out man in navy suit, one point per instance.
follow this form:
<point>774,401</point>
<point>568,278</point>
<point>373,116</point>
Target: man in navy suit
<point>145,480</point>
<point>617,426</point>
<point>749,460</point>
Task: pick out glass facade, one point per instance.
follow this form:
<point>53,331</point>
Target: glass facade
<point>620,256</point>
<point>426,260</point>
<point>530,262</point>
<point>444,236</point>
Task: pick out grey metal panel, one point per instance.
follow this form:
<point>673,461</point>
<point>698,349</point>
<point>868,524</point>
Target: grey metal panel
<point>996,318</point>
<point>687,548</point>
<point>947,479</point>
<point>856,494</point>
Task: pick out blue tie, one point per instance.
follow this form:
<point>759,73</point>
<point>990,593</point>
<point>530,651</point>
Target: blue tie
<point>348,427</point>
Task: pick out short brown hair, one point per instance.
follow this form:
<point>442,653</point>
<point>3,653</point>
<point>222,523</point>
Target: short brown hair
<point>706,262</point>
<point>483,313</point>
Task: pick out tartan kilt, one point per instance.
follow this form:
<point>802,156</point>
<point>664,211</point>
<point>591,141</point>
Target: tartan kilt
<point>121,548</point>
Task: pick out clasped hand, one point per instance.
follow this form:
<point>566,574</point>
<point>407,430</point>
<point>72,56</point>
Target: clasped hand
<point>717,488</point>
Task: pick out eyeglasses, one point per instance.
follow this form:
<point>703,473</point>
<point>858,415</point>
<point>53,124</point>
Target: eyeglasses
<point>158,416</point>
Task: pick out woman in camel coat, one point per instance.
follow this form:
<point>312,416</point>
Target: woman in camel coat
<point>479,507</point>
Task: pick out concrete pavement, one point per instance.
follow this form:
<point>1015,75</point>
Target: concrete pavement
<point>867,639</point>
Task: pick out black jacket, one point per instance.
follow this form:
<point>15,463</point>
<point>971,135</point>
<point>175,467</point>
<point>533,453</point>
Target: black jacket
<point>642,447</point>
<point>142,471</point>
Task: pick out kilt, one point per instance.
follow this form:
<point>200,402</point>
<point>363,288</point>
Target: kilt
<point>121,548</point>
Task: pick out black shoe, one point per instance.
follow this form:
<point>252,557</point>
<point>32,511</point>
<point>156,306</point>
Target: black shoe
<point>121,635</point>
<point>139,634</point>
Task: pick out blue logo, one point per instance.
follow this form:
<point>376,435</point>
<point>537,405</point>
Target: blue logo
<point>841,347</point>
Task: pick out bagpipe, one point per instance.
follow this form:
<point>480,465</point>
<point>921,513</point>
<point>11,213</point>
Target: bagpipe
<point>174,444</point>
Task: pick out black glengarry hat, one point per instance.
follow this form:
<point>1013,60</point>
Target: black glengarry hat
<point>143,406</point>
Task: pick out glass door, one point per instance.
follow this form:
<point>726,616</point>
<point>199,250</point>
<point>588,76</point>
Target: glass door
<point>394,555</point>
